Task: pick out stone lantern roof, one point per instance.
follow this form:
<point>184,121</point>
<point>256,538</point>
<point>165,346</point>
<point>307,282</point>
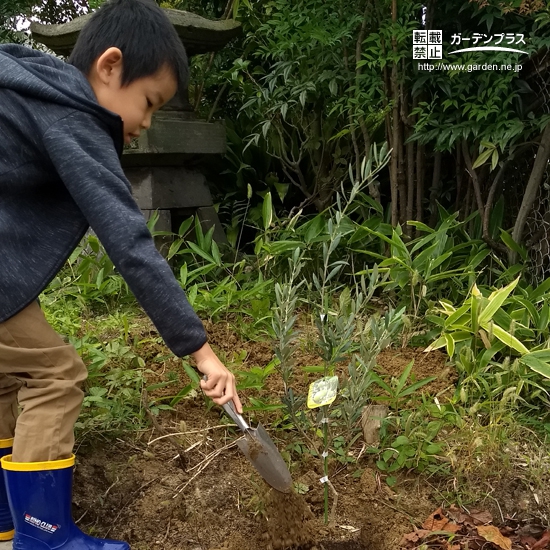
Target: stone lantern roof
<point>198,34</point>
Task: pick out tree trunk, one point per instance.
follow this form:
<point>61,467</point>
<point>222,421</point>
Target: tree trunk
<point>475,179</point>
<point>402,176</point>
<point>459,178</point>
<point>531,191</point>
<point>487,237</point>
<point>466,204</point>
<point>434,190</point>
<point>420,170</point>
<point>410,179</point>
<point>394,165</point>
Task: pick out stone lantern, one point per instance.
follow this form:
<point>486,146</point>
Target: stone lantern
<point>163,165</point>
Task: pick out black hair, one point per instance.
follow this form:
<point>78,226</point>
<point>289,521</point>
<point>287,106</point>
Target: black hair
<point>143,33</point>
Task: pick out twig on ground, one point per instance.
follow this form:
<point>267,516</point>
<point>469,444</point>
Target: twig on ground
<point>81,517</point>
<point>215,453</point>
<point>191,432</point>
<point>109,489</point>
<point>167,530</point>
<point>498,506</point>
<point>201,466</point>
<point>130,445</point>
<point>170,437</point>
<point>412,518</point>
<point>104,496</point>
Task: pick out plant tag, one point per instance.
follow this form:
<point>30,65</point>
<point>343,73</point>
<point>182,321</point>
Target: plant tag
<point>322,392</point>
<point>324,479</point>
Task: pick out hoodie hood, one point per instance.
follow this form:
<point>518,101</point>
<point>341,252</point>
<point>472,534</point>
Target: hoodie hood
<point>45,77</point>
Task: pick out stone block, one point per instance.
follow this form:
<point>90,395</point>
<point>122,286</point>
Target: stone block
<point>169,187</point>
<point>174,140</point>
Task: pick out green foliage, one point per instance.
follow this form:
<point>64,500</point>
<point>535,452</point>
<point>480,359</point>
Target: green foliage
<point>284,318</point>
<point>296,82</point>
<point>440,263</point>
<point>410,440</point>
<point>10,11</point>
<point>329,234</point>
<point>90,278</point>
<point>397,391</point>
<point>215,286</point>
<point>499,342</point>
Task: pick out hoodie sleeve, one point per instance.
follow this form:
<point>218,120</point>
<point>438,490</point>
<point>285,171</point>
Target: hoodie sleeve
<point>83,154</point>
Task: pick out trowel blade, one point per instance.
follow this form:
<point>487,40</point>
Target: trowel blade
<point>258,447</point>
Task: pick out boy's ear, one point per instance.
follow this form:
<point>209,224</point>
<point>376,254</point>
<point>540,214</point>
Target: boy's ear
<point>108,66</point>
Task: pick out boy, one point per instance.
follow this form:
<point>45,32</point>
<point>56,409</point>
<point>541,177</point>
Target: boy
<point>62,128</point>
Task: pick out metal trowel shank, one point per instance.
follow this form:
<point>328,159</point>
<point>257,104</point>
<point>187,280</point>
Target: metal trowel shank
<point>258,447</point>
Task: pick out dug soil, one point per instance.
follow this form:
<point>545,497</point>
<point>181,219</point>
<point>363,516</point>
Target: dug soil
<point>139,490</point>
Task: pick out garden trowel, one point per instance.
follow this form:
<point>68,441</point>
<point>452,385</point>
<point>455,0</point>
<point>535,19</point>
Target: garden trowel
<point>258,447</point>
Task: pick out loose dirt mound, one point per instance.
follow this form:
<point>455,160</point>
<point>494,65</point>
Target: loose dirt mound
<point>289,522</point>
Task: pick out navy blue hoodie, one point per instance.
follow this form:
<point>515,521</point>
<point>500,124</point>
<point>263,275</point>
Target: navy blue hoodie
<point>60,173</point>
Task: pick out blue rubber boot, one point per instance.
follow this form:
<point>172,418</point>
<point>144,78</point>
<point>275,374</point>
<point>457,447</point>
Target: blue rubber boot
<point>40,495</point>
<point>6,523</point>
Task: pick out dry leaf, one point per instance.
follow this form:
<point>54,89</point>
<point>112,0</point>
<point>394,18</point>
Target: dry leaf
<point>481,517</point>
<point>415,536</point>
<point>491,534</point>
<point>543,543</point>
<point>458,515</point>
<point>438,522</point>
<point>528,541</point>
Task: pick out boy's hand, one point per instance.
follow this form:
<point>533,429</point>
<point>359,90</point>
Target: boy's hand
<point>220,384</point>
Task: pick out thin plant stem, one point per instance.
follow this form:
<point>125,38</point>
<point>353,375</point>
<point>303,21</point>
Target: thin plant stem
<point>325,457</point>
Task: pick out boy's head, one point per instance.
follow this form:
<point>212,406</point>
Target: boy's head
<point>133,59</point>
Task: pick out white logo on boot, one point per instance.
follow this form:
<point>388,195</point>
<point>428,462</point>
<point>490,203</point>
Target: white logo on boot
<point>43,525</point>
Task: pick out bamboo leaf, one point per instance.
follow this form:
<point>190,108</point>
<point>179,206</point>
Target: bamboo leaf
<point>496,299</point>
<point>512,245</point>
<point>540,291</point>
<point>267,211</point>
<point>506,338</point>
<point>450,345</point>
<point>201,252</point>
<point>535,364</point>
<point>482,158</point>
<point>417,385</point>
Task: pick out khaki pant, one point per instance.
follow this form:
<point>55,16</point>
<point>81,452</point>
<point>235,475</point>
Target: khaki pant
<point>43,373</point>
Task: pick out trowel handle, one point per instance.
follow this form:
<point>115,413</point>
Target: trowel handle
<point>229,408</point>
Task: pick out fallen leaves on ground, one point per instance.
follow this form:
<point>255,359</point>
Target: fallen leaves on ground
<point>457,529</point>
<point>492,534</point>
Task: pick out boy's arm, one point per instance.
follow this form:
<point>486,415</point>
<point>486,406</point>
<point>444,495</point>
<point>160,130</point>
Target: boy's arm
<point>84,156</point>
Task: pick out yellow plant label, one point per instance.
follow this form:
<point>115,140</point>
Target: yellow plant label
<point>322,392</point>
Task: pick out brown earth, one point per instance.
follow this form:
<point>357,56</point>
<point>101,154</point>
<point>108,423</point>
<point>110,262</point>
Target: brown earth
<point>137,489</point>
<point>394,361</point>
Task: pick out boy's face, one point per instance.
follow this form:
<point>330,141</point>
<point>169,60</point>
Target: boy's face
<point>136,102</point>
